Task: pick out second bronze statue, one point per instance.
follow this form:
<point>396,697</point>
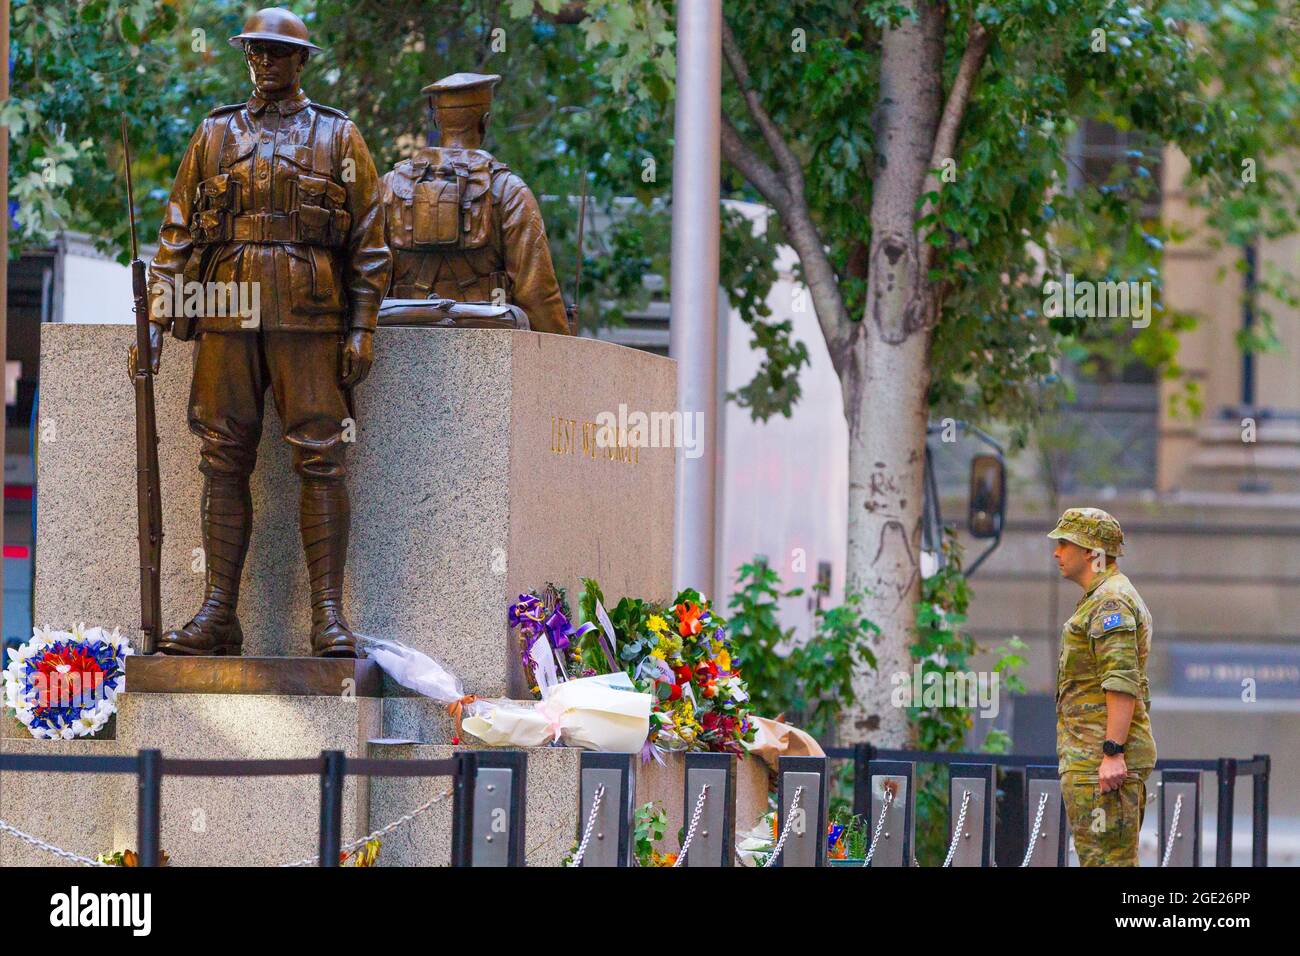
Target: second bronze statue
<point>461,225</point>
<point>278,196</point>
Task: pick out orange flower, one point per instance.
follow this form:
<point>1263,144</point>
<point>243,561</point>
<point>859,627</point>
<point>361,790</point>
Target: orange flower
<point>688,615</point>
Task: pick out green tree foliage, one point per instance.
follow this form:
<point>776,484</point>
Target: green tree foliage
<point>1220,81</point>
<point>589,90</point>
<point>808,681</point>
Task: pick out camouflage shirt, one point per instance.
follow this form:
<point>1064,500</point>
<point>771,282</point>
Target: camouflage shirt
<point>1104,646</point>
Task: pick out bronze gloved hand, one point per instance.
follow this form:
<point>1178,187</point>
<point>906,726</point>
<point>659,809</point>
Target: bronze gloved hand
<point>155,350</point>
<point>358,354</point>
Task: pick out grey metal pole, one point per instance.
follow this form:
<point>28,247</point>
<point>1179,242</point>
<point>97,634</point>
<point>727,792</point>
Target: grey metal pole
<point>4,268</point>
<point>693,332</point>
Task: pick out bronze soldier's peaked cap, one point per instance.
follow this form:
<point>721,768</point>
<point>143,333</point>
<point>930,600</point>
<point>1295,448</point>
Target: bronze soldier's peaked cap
<point>463,89</point>
<point>276,26</point>
<point>1090,528</point>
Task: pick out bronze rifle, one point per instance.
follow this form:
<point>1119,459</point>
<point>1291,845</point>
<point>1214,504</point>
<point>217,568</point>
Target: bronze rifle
<point>148,492</point>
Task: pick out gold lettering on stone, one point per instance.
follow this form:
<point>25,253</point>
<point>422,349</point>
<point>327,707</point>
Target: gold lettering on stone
<point>565,433</point>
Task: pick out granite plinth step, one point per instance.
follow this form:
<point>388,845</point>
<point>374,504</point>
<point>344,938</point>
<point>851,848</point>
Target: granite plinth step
<point>280,676</point>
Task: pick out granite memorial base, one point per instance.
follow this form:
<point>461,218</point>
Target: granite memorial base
<point>551,812</point>
<point>476,475</point>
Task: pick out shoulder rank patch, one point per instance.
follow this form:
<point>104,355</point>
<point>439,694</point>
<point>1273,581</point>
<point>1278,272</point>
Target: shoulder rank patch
<point>1111,621</point>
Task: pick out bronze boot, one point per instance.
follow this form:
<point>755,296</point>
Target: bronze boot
<point>324,518</point>
<point>227,522</point>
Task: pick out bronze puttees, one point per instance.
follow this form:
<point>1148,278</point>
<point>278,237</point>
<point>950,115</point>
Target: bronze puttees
<point>275,205</point>
<point>461,225</point>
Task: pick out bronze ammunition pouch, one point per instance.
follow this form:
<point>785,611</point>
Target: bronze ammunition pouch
<point>317,213</point>
<point>322,220</point>
<point>214,210</point>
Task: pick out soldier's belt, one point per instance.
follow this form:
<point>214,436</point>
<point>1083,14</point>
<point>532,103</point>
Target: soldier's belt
<point>265,227</point>
<point>448,313</point>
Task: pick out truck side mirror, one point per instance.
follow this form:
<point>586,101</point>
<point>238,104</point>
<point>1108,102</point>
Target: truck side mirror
<point>988,497</point>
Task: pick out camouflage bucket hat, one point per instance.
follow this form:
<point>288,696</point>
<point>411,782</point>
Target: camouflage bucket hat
<point>1090,528</point>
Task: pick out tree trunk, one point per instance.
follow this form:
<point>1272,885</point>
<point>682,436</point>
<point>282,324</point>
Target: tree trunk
<point>886,376</point>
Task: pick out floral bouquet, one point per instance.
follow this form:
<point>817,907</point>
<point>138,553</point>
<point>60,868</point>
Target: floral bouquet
<point>548,643</point>
<point>678,654</point>
<point>62,685</point>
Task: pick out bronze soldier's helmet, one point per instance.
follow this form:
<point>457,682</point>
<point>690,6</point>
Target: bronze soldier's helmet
<point>1090,528</point>
<point>277,26</point>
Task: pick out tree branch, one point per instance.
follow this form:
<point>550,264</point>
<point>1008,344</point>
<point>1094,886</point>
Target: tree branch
<point>785,191</point>
<point>760,175</point>
<point>791,169</point>
<point>945,137</point>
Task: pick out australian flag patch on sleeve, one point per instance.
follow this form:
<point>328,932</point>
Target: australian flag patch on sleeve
<point>1111,620</point>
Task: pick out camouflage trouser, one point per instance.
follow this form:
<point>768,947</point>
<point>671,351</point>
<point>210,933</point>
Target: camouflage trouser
<point>1105,825</point>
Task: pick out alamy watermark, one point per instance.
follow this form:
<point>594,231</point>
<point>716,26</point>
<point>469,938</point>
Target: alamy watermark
<point>242,300</point>
<point>638,429</point>
<point>1085,299</point>
<point>973,690</point>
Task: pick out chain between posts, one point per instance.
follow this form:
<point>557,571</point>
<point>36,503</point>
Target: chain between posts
<point>374,834</point>
<point>956,831</point>
<point>591,822</point>
<point>690,831</point>
<point>785,830</point>
<point>1173,831</point>
<point>50,847</point>
<point>1038,824</point>
<point>880,825</point>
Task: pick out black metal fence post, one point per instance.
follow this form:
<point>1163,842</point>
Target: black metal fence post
<point>861,782</point>
<point>1227,773</point>
<point>148,813</point>
<point>1011,830</point>
<point>462,808</point>
<point>500,806</point>
<point>333,764</point>
<point>805,833</point>
<point>714,842</point>
<point>1259,813</point>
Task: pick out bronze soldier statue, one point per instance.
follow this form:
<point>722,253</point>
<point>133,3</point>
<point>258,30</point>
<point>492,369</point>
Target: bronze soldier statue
<point>461,225</point>
<point>281,193</point>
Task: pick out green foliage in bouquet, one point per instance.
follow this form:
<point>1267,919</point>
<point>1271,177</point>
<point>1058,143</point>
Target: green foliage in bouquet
<point>649,824</point>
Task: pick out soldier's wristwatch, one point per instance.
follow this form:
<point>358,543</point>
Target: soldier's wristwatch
<point>1110,748</point>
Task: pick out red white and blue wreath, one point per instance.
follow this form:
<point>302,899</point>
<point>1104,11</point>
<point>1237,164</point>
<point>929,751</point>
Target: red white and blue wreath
<point>62,685</point>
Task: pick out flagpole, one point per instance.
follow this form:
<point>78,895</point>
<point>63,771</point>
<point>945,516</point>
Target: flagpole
<point>693,332</point>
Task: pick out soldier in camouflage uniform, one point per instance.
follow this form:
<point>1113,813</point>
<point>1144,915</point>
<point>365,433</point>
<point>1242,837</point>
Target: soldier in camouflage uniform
<point>1103,698</point>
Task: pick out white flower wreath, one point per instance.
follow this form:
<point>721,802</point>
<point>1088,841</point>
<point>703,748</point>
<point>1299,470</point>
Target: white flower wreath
<point>62,685</point>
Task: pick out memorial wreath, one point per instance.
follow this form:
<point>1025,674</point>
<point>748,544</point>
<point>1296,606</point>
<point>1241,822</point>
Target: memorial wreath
<point>62,685</point>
